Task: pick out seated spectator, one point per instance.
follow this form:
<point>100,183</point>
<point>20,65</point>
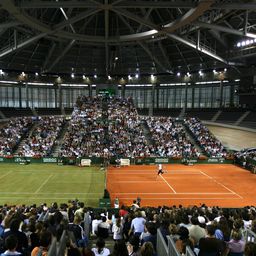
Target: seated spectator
<point>195,231</point>
<point>21,236</point>
<point>77,230</point>
<point>184,240</point>
<point>147,249</point>
<point>45,241</point>
<point>236,244</point>
<point>11,243</point>
<point>210,244</point>
<point>133,246</point>
<point>152,229</point>
<point>250,249</point>
<point>120,249</point>
<point>100,249</point>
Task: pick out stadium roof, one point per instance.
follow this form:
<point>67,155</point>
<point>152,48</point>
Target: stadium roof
<point>122,37</point>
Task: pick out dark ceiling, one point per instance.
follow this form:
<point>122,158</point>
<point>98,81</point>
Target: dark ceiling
<point>122,37</point>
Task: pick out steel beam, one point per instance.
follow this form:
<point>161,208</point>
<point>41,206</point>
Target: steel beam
<point>9,24</point>
<point>67,48</point>
<point>54,4</point>
<point>136,18</point>
<point>194,46</point>
<point>188,4</point>
<point>217,36</point>
<point>224,29</point>
<point>78,17</point>
<point>146,17</point>
<point>49,56</point>
<point>22,44</point>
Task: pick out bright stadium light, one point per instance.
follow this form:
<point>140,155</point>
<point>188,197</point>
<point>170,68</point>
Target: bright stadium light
<point>178,74</point>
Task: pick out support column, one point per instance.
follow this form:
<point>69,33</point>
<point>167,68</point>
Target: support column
<point>27,103</point>
<point>123,91</point>
<point>60,96</point>
<point>221,94</point>
<point>90,90</point>
<point>193,97</point>
<point>20,100</point>
<point>232,93</point>
<point>186,98</point>
<point>151,106</point>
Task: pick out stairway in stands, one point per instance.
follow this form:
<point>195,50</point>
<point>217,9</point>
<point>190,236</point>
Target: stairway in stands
<point>22,143</point>
<point>58,142</point>
<point>147,133</point>
<point>192,139</point>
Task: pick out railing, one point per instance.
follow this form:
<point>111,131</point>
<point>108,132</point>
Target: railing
<point>166,250</point>
<point>172,251</point>
<point>249,236</point>
<point>189,252</point>
<point>161,246</point>
<point>58,248</point>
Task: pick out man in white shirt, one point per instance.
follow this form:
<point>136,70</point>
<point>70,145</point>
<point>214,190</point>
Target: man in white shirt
<point>138,224</point>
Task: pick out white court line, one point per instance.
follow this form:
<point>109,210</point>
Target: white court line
<point>43,183</point>
<point>234,193</point>
<point>169,172</point>
<point>5,174</point>
<point>150,171</point>
<point>168,184</point>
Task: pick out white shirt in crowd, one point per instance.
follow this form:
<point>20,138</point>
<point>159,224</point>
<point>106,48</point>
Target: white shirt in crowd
<point>105,252</point>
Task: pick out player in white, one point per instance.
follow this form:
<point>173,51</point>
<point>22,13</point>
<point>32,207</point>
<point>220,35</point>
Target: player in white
<point>160,169</point>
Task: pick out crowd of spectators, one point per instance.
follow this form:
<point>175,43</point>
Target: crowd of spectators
<point>12,133</point>
<point>207,141</point>
<point>43,137</point>
<point>170,138</point>
<point>29,229</point>
<point>126,136</point>
<point>109,127</point>
<point>85,134</point>
<point>247,159</point>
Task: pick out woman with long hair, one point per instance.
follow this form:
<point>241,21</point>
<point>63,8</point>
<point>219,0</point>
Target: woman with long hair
<point>120,249</point>
<point>100,249</point>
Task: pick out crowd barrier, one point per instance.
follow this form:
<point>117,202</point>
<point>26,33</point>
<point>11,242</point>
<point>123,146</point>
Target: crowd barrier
<point>249,235</point>
<point>100,160</point>
<point>169,249</point>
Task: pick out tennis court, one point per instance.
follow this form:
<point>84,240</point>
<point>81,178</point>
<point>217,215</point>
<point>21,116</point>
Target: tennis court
<point>48,183</point>
<point>216,184</point>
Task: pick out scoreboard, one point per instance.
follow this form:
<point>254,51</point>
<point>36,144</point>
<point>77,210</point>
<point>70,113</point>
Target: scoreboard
<point>107,91</point>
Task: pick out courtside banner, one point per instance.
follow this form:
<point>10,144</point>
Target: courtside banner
<point>49,160</point>
<point>124,161</point>
<point>161,160</point>
<point>86,162</point>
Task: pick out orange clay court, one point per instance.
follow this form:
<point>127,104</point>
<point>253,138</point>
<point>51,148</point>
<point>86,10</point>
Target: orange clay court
<point>224,185</point>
